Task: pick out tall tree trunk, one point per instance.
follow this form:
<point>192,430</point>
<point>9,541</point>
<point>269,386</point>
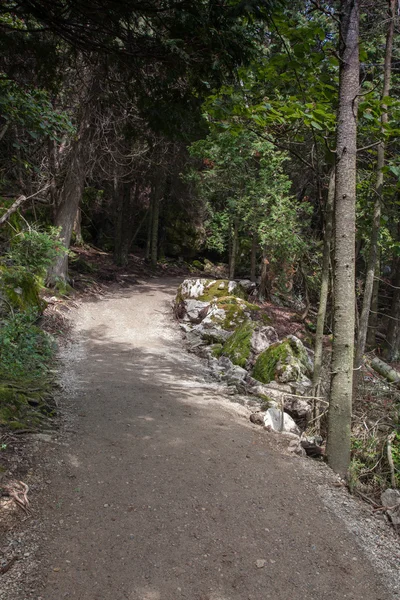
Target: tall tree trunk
<point>77,229</point>
<point>253,260</point>
<point>393,334</point>
<point>71,194</point>
<point>264,292</point>
<point>373,315</point>
<point>157,192</point>
<point>149,230</point>
<point>234,249</point>
<point>339,417</point>
<point>376,222</point>
<point>323,296</point>
<point>123,225</point>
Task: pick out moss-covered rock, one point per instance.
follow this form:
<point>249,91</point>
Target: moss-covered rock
<point>20,288</point>
<point>198,265</point>
<point>283,361</point>
<point>238,346</point>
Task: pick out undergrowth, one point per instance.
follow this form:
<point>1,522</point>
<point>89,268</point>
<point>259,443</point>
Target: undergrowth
<point>26,351</point>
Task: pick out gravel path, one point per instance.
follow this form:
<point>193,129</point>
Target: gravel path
<point>167,492</point>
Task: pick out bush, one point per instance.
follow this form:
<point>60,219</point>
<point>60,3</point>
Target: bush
<point>25,349</point>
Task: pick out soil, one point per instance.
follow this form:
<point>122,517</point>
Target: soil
<point>158,487</point>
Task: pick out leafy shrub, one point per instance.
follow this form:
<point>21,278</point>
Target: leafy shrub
<point>25,349</point>
<point>36,250</point>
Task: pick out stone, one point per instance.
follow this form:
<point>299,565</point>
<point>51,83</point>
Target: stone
<point>235,375</point>
<point>185,327</point>
<point>260,563</point>
<point>192,288</point>
<point>391,499</point>
<point>296,448</point>
<point>280,421</point>
<point>225,363</point>
<point>262,339</point>
<point>257,418</point>
<point>232,285</point>
<point>221,286</point>
<point>299,409</point>
<point>283,362</point>
<point>247,285</point>
<point>196,310</point>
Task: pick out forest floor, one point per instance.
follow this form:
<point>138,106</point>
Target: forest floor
<point>157,486</point>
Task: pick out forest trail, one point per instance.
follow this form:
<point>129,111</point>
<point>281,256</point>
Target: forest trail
<point>167,492</point>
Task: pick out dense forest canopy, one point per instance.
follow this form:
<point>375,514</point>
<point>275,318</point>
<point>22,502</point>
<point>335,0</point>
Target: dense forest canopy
<point>262,134</point>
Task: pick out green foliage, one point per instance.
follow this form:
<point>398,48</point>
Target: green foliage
<point>245,187</point>
<point>31,110</point>
<point>25,349</point>
<point>237,347</point>
<point>35,250</point>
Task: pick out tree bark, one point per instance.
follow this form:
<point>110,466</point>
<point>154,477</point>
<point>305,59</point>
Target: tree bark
<point>234,249</point>
<point>253,260</point>
<point>339,416</point>
<point>123,225</point>
<point>77,229</point>
<point>264,292</point>
<point>71,194</point>
<point>157,192</point>
<point>376,221</point>
<point>393,334</point>
<point>323,296</point>
<point>373,315</point>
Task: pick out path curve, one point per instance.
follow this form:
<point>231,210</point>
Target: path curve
<point>166,491</point>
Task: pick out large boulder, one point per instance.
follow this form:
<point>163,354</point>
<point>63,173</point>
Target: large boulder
<point>283,362</point>
<point>248,339</point>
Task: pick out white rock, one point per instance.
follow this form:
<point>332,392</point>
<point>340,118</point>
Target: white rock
<point>232,285</point>
<point>247,285</point>
<point>279,421</point>
<point>221,286</point>
<point>193,288</point>
<point>391,499</point>
<point>196,310</point>
<point>262,339</point>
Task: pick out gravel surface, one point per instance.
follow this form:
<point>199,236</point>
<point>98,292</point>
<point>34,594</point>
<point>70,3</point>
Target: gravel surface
<point>161,489</point>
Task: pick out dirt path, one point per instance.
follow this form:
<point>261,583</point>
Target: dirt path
<point>166,492</point>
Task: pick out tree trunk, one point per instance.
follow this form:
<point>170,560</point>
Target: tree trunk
<point>77,229</point>
<point>373,315</point>
<point>264,292</point>
<point>253,262</point>
<point>339,416</point>
<point>393,334</point>
<point>149,230</point>
<point>71,194</point>
<point>323,296</point>
<point>157,192</point>
<point>376,222</point>
<point>234,250</point>
<point>123,225</point>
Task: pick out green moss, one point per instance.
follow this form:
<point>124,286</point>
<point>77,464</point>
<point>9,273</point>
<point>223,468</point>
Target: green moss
<point>236,312</point>
<point>237,347</point>
<point>217,350</point>
<point>286,352</point>
<point>20,288</point>
<point>265,367</point>
<point>198,265</point>
<point>212,291</point>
